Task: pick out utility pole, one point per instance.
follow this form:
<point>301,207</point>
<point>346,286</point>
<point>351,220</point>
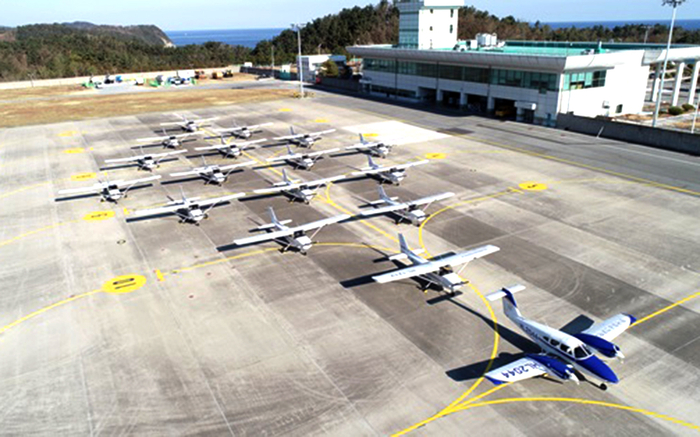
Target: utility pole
<point>298,27</point>
<point>675,4</point>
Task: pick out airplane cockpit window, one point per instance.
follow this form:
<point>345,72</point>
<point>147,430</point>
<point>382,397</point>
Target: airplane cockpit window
<point>566,349</point>
<point>554,342</point>
<point>581,352</point>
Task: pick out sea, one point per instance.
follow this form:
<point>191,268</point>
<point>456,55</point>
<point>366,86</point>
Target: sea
<point>686,24</point>
<point>243,37</point>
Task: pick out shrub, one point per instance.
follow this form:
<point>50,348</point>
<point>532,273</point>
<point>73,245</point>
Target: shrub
<point>688,107</point>
<point>675,110</point>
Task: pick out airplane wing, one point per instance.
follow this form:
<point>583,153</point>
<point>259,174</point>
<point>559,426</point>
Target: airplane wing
<point>431,199</point>
<point>170,209</point>
<point>319,182</point>
<point>410,164</point>
<point>229,129</point>
<point>361,146</point>
<point>214,201</point>
<point>384,209</point>
<point>166,154</point>
<point>322,152</point>
<point>133,182</point>
<point>148,140</point>
<point>323,132</point>
<point>289,137</point>
<point>320,223</point>
<point>518,370</point>
<point>611,328</point>
<point>91,189</point>
<point>195,172</point>
<point>235,166</point>
<point>283,157</point>
<point>264,237</point>
<point>173,123</point>
<point>258,126</point>
<point>434,266</point>
<point>130,159</point>
<point>205,120</point>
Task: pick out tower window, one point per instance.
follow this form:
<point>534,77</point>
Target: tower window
<point>451,28</point>
<point>431,11</point>
<point>452,13</point>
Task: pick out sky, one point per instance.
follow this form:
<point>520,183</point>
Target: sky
<point>240,14</point>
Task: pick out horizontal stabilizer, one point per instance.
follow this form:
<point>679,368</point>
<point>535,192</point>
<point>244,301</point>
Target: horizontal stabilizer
<point>272,225</point>
<point>501,294</point>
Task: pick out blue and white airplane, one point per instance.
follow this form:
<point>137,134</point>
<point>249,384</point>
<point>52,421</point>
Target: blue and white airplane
<point>563,355</point>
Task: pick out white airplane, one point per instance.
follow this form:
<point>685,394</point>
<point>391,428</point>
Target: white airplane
<point>436,271</point>
<point>563,355</point>
<point>393,174</point>
<point>298,189</point>
<point>213,174</point>
<point>304,140</point>
<point>295,237</point>
<point>190,125</point>
<point>110,190</point>
<point>408,211</point>
<point>379,149</point>
<point>190,210</point>
<point>243,132</point>
<point>146,162</point>
<point>302,160</point>
<point>170,141</point>
<point>232,150</point>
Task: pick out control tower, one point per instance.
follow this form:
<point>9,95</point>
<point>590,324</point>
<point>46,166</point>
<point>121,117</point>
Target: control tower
<point>428,24</point>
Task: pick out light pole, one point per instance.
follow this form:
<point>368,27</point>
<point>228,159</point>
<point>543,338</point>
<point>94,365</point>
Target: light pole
<point>675,4</point>
<point>298,27</point>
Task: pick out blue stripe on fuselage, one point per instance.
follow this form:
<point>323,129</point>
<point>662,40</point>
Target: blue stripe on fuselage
<point>598,368</point>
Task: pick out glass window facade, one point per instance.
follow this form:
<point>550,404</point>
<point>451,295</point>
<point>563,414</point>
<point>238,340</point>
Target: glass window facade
<point>513,78</point>
<point>584,80</point>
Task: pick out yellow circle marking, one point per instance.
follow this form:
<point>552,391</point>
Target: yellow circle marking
<point>83,176</point>
<point>321,120</point>
<point>98,216</point>
<point>285,110</point>
<point>533,186</point>
<point>435,156</point>
<point>69,133</point>
<point>124,284</point>
<point>370,135</point>
<point>75,150</point>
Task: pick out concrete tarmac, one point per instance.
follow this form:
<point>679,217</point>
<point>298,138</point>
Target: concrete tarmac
<point>115,326</point>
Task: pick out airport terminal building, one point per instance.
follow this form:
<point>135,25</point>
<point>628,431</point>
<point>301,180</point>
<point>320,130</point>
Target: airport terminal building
<point>529,81</point>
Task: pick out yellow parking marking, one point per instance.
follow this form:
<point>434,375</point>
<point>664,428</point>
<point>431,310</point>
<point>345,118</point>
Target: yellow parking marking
<point>83,176</point>
<point>222,260</point>
<point>370,135</point>
<point>532,186</point>
<point>663,310</point>
<point>74,150</point>
<point>68,133</point>
<point>159,275</point>
<point>285,110</point>
<point>126,211</point>
<point>97,216</point>
<point>34,232</point>
<point>45,309</point>
<point>321,120</point>
<point>435,155</point>
<point>19,190</point>
<point>124,284</point>
<point>586,402</point>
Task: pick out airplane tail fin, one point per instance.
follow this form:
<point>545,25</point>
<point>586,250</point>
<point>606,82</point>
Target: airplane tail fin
<point>362,139</point>
<point>382,194</point>
<point>285,178</point>
<point>289,150</point>
<point>291,130</point>
<point>370,161</point>
<point>403,244</point>
<point>182,192</point>
<point>273,216</point>
<point>510,307</point>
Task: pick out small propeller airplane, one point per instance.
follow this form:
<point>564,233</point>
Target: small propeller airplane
<point>243,132</point>
<point>563,355</point>
<point>111,191</point>
<point>304,191</point>
<point>380,149</point>
<point>213,174</point>
<point>392,174</point>
<point>302,160</point>
<point>290,238</point>
<point>189,210</point>
<point>408,211</point>
<point>169,141</point>
<point>230,149</point>
<point>146,162</point>
<point>190,125</point>
<point>438,271</point>
<point>304,140</point>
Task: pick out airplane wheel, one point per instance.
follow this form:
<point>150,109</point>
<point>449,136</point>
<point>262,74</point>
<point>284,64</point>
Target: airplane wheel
<point>304,253</point>
<point>603,387</point>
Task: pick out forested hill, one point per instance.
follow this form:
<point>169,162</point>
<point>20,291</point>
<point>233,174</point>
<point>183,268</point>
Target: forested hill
<point>148,34</point>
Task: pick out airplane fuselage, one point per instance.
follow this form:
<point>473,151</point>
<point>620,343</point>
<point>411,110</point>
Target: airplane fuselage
<point>111,193</point>
<point>171,142</point>
<point>147,163</point>
<point>243,133</point>
<point>303,194</point>
<point>392,176</point>
<point>302,162</point>
<point>190,126</point>
<point>231,152</point>
<point>416,216</point>
<point>567,348</point>
<point>214,176</point>
<point>446,278</point>
<point>380,151</point>
<point>301,243</point>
